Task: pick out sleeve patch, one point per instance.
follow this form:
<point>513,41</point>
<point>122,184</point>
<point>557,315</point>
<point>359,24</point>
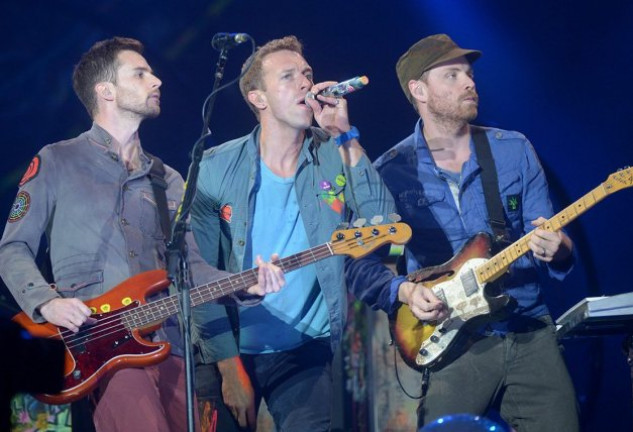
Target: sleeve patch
<point>31,172</point>
<point>20,206</point>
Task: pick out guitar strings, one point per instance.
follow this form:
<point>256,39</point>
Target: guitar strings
<point>169,305</point>
<point>204,293</point>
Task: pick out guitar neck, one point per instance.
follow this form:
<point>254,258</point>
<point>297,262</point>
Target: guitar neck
<point>499,264</point>
<point>248,278</point>
<point>159,310</point>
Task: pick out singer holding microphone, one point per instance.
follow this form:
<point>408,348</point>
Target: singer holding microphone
<point>283,188</point>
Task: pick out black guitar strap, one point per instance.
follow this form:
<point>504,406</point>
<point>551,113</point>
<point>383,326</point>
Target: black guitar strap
<point>490,184</point>
<point>159,186</point>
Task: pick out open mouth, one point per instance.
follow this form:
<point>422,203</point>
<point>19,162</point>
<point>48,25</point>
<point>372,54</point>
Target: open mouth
<point>302,102</point>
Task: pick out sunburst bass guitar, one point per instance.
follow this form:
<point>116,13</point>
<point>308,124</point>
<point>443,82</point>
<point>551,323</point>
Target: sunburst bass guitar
<point>122,315</point>
<point>460,283</point>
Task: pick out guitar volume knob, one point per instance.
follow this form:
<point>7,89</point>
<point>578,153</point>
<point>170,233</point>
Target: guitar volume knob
<point>424,352</point>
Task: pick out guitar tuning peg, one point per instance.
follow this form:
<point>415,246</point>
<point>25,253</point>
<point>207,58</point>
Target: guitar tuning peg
<point>394,217</point>
<point>359,223</point>
<point>376,220</point>
<point>342,226</point>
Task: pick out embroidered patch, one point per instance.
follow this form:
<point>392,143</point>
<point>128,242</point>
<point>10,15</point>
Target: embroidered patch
<point>20,206</point>
<point>513,202</point>
<point>31,172</point>
<point>226,213</point>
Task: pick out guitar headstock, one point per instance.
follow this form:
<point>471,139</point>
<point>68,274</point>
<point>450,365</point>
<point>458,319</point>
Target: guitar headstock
<point>358,242</point>
<point>620,179</point>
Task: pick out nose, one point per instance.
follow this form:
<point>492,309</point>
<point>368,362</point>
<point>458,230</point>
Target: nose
<point>156,82</point>
<point>306,83</point>
<point>470,82</point>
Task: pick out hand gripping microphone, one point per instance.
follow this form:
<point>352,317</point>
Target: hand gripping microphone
<point>222,41</point>
<point>342,88</point>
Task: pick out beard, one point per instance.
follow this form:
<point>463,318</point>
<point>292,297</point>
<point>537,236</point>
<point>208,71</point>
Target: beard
<point>447,110</point>
<point>137,106</point>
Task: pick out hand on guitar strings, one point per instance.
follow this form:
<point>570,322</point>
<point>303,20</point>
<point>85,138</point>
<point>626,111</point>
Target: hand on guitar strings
<point>547,245</point>
<point>270,278</point>
<point>69,313</point>
<point>424,304</point>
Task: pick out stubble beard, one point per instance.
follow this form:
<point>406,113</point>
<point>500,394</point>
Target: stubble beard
<point>139,110</point>
<point>450,114</point>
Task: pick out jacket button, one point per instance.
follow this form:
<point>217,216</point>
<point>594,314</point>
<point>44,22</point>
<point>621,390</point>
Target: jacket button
<point>240,242</point>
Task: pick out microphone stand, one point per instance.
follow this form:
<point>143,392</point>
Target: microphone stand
<point>177,265</point>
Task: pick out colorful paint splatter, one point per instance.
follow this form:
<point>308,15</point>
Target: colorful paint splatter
<point>334,199</point>
<point>30,415</point>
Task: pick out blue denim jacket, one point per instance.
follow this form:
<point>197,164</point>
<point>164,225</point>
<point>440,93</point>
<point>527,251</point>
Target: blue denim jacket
<point>440,229</point>
<point>328,193</point>
<point>101,223</point>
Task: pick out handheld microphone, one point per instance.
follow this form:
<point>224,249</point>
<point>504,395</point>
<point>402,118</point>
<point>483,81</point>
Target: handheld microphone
<point>342,88</point>
<point>222,41</point>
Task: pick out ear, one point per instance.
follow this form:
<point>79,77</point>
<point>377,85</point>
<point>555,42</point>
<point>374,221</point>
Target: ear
<point>258,99</point>
<point>105,90</point>
<point>418,90</point>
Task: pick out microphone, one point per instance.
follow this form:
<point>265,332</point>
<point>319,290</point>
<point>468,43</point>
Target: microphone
<point>222,41</point>
<point>342,88</point>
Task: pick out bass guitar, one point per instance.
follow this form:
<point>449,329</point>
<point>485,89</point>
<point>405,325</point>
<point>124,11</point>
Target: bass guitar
<point>122,316</point>
<point>460,283</point>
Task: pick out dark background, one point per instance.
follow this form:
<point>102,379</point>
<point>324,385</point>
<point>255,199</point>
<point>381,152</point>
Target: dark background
<point>559,71</point>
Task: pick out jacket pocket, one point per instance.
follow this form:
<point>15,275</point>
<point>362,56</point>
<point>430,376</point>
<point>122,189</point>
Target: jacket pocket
<point>78,277</point>
<point>150,218</point>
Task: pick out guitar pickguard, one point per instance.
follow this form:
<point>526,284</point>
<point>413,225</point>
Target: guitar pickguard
<point>465,300</point>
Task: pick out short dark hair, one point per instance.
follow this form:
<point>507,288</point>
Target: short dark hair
<point>252,79</point>
<point>99,64</point>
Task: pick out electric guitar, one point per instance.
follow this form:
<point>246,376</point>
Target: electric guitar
<point>114,341</point>
<point>460,283</point>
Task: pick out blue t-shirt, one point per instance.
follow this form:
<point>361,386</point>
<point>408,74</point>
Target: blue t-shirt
<point>298,312</point>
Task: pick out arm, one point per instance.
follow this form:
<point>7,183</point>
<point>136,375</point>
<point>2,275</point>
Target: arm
<point>333,117</point>
<point>552,249</point>
<point>30,216</point>
<point>373,283</point>
<point>237,392</point>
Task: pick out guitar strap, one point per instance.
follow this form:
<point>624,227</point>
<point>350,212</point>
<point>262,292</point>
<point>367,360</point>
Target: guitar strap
<point>490,184</point>
<point>159,186</point>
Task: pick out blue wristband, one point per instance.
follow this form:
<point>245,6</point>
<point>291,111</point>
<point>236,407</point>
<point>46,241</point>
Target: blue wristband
<point>347,136</point>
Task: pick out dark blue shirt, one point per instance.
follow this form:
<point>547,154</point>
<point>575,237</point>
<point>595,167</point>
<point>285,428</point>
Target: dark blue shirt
<point>443,220</point>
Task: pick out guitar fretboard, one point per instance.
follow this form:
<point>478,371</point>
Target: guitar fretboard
<point>496,266</point>
<point>156,311</point>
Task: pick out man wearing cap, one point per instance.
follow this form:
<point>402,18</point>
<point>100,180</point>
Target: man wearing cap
<point>513,363</point>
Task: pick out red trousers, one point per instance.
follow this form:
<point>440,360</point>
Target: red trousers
<point>151,399</point>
